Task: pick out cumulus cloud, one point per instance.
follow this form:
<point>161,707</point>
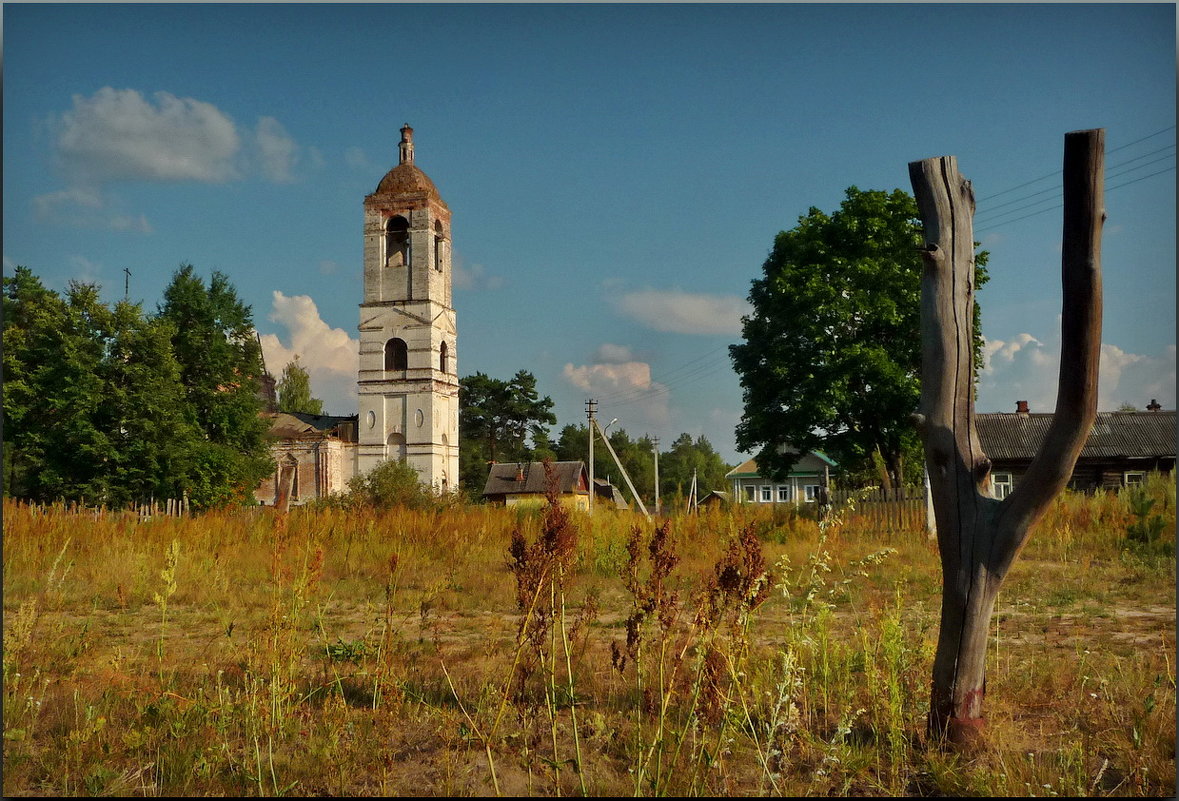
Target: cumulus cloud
<point>613,354</point>
<point>626,384</point>
<point>684,312</point>
<point>330,355</point>
<point>277,151</point>
<point>1024,368</point>
<point>86,207</point>
<point>474,278</point>
<point>121,135</point>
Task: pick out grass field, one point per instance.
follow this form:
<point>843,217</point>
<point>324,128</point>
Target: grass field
<point>477,651</point>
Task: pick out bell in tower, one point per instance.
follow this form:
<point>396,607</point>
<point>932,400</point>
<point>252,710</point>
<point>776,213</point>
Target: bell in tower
<point>408,378</point>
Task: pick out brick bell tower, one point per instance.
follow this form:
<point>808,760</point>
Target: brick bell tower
<point>408,379</point>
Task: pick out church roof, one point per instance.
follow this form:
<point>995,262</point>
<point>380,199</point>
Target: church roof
<point>406,179</point>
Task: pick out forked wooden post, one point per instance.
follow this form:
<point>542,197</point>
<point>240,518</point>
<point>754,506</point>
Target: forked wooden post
<point>978,536</point>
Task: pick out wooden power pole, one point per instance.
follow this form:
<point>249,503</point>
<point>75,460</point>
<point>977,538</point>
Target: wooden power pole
<point>979,537</point>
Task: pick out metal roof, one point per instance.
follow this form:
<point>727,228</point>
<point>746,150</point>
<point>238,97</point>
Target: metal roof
<point>1013,436</point>
<point>502,478</point>
<point>807,464</point>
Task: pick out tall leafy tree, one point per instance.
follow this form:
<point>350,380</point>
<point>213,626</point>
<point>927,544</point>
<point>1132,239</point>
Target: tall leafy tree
<point>496,420</point>
<point>93,406</point>
<point>831,356</point>
<point>153,433</point>
<point>685,456</point>
<point>52,390</point>
<point>221,366</point>
<point>294,390</point>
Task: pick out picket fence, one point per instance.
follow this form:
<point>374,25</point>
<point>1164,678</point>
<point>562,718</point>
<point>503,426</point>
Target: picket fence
<point>143,510</point>
<point>900,509</point>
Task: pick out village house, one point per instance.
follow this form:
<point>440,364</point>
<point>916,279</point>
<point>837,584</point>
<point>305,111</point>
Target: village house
<point>810,473</point>
<point>524,483</point>
<point>1122,446</point>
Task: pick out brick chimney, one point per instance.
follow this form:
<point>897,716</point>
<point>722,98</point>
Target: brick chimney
<point>1153,406</point>
<point>1021,408</point>
<point>519,471</point>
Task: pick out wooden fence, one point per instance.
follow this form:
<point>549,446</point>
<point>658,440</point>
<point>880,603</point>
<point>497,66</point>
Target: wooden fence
<point>145,510</point>
<point>893,510</point>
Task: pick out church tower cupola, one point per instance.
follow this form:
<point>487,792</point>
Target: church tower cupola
<point>408,377</point>
<point>406,145</point>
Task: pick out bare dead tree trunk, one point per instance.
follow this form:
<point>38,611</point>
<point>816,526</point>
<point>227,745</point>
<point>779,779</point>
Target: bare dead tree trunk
<point>978,536</point>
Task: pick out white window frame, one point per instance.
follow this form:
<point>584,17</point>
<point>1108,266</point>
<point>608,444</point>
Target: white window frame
<point>811,491</point>
<point>750,493</point>
<point>767,493</point>
<point>783,493</point>
<point>1002,484</point>
<point>1133,478</point>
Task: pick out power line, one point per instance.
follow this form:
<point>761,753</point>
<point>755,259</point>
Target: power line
<point>992,226</point>
<point>1059,192</point>
<point>1058,172</point>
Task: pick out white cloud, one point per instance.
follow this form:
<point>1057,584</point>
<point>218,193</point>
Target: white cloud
<point>613,354</point>
<point>86,207</point>
<point>474,278</point>
<point>277,150</point>
<point>330,355</point>
<point>119,135</point>
<point>1024,368</point>
<point>624,384</point>
<point>684,312</point>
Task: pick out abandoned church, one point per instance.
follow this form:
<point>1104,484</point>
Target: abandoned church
<point>408,375</point>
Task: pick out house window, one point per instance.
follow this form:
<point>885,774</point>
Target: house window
<point>396,242</point>
<point>749,491</point>
<point>1001,484</point>
<point>812,492</point>
<point>396,355</point>
<point>1132,478</point>
<point>783,494</point>
<point>766,495</point>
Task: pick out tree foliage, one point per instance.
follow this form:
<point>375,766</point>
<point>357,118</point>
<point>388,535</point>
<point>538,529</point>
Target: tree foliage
<point>294,390</point>
<point>221,371</point>
<point>96,406</point>
<point>832,349</point>
<point>496,420</point>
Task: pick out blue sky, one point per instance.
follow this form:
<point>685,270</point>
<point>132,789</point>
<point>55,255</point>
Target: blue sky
<point>616,174</point>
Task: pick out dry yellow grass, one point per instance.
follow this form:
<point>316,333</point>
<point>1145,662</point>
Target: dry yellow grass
<point>362,653</point>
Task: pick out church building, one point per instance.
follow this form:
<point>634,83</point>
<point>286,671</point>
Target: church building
<point>408,376</point>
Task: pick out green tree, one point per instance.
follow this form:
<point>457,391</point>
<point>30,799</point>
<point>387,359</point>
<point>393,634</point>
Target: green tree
<point>221,368</point>
<point>496,419</point>
<point>685,456</point>
<point>93,407</point>
<point>294,390</point>
<point>52,391</point>
<point>153,435</point>
<point>832,350</point>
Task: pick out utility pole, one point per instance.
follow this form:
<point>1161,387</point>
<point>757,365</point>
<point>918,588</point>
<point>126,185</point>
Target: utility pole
<point>591,408</point>
<point>127,285</point>
<point>655,448</point>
